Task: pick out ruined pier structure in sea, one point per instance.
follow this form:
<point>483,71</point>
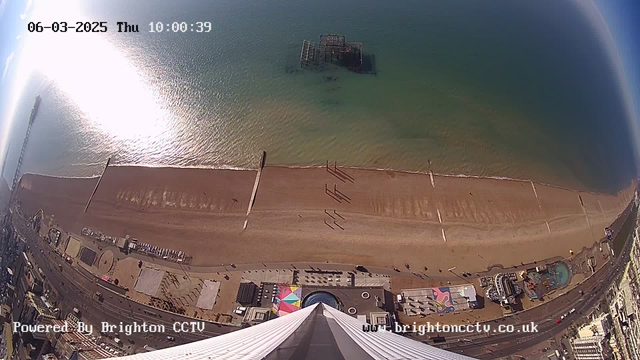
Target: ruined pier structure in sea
<point>332,48</point>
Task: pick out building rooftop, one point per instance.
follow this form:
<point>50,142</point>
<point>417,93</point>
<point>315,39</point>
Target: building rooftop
<point>440,300</point>
<point>92,354</point>
<point>8,338</point>
<point>84,345</point>
<point>379,318</point>
<point>597,326</point>
<point>363,300</point>
<point>40,306</point>
<point>257,315</point>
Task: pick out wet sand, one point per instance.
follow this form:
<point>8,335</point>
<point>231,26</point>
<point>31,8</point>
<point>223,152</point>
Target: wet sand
<point>390,218</point>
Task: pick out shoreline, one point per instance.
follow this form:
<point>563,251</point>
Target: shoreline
<point>314,166</point>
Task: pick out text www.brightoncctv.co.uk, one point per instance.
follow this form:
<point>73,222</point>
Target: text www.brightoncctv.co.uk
<point>439,328</point>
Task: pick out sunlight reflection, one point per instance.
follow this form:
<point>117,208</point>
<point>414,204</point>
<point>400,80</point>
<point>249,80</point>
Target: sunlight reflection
<point>104,84</point>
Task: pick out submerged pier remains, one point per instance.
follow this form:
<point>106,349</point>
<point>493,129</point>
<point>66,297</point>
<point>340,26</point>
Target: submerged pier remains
<point>335,49</point>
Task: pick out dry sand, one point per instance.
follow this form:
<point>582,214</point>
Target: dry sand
<point>390,218</point>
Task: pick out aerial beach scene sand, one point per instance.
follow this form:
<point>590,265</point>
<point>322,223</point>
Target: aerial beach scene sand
<point>389,218</point>
<point>288,172</point>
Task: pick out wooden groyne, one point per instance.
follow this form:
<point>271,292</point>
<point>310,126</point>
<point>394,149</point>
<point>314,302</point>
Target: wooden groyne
<point>255,188</point>
<point>97,184</point>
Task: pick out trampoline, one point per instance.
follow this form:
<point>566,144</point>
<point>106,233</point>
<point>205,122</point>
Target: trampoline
<point>320,297</point>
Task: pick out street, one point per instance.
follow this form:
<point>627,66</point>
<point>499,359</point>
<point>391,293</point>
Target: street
<point>76,290</point>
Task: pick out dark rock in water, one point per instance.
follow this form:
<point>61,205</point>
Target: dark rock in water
<point>331,102</point>
<point>289,69</point>
<point>333,89</point>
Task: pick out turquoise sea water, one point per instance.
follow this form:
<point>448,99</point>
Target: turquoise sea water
<point>493,88</point>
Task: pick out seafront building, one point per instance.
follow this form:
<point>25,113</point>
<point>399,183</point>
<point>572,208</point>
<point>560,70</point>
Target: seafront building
<point>440,300</point>
<point>600,325</point>
<point>318,331</point>
<point>623,306</point>
<point>589,348</point>
<point>502,288</point>
<point>76,345</point>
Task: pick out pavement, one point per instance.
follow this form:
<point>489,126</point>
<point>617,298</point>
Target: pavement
<point>431,273</point>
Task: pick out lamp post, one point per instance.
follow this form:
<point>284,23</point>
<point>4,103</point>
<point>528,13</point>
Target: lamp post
<point>185,273</point>
<point>451,271</point>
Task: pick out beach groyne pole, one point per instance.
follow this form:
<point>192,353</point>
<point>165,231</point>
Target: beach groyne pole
<point>255,188</point>
<point>586,217</point>
<point>533,186</point>
<point>97,184</point>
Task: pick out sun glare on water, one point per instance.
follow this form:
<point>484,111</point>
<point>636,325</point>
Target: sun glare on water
<point>96,76</point>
